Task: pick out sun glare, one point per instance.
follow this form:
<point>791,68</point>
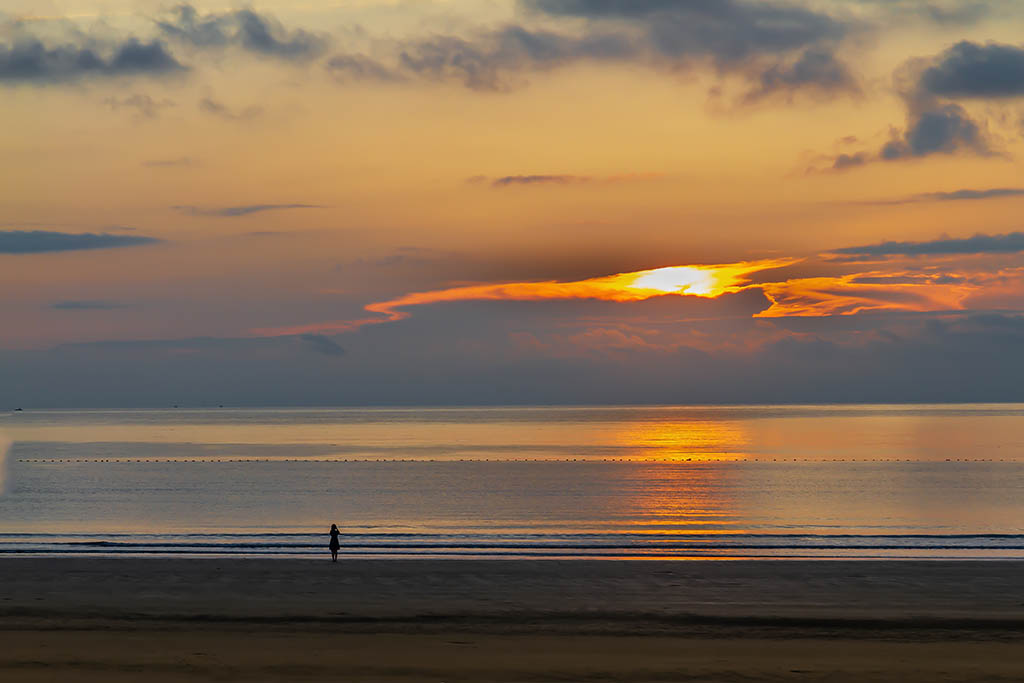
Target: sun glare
<point>708,281</point>
<point>677,279</point>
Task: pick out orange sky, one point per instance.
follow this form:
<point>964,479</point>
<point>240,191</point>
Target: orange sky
<point>311,169</point>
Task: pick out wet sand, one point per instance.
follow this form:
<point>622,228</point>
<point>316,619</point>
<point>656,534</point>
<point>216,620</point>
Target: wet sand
<point>463,620</point>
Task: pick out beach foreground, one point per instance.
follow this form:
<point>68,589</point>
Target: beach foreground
<point>424,620</point>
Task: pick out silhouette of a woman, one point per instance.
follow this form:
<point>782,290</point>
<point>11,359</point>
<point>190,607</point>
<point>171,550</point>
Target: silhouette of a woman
<point>335,543</point>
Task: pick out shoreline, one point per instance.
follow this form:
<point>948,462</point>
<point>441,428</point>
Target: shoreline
<point>397,621</point>
<point>389,590</point>
<point>456,557</point>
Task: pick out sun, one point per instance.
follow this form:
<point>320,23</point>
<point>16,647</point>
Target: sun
<point>678,280</point>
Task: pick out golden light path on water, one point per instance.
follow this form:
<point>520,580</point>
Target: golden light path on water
<point>686,441</point>
<point>687,489</point>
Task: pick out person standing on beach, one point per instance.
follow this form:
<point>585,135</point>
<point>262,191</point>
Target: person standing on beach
<point>335,543</point>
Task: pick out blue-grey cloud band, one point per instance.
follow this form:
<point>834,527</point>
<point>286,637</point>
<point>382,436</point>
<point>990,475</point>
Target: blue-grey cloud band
<point>235,211</point>
<point>1010,243</point>
<point>40,241</point>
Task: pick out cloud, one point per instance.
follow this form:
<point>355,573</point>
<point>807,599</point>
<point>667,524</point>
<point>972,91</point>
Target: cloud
<point>244,28</point>
<point>945,129</point>
<point>356,67</point>
<point>862,293</point>
<point>558,179</point>
<point>40,241</point>
<point>216,108</point>
<point>816,68</point>
<point>961,195</point>
<point>538,180</point>
<point>738,290</point>
<point>970,70</point>
<point>321,344</point>
<point>942,12</point>
<point>936,122</point>
<point>233,211</point>
<point>28,60</point>
<point>86,305</point>
<point>169,163</point>
<point>708,281</point>
<point>779,46</point>
<point>845,161</point>
<point>728,31</point>
<point>954,196</point>
<point>1010,243</point>
<point>933,129</point>
<point>403,256</point>
<point>473,359</point>
<point>488,61</point>
<point>144,105</point>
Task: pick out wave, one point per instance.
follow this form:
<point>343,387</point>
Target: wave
<point>517,545</point>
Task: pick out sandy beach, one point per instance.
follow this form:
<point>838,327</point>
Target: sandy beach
<point>425,620</point>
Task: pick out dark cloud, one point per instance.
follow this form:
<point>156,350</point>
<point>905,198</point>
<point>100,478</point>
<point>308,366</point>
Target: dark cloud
<point>942,12</point>
<point>321,344</point>
<point>609,8</point>
<point>1010,243</point>
<point>954,196</point>
<point>936,122</point>
<point>219,109</point>
<point>968,70</point>
<point>537,180</point>
<point>143,105</point>
<point>864,359</point>
<point>780,47</point>
<point>86,305</point>
<point>728,31</point>
<point>815,69</point>
<point>944,129</point>
<point>960,195</point>
<point>28,60</point>
<point>358,67</point>
<point>40,241</point>
<point>932,128</point>
<point>257,33</point>
<point>233,211</point>
<point>958,13</point>
<point>845,161</point>
<point>487,61</point>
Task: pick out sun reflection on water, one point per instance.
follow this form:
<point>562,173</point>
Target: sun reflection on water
<point>705,440</point>
<point>682,481</point>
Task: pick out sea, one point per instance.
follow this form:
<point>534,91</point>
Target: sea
<point>689,482</point>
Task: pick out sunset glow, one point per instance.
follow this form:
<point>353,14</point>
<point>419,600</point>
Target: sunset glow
<point>870,291</point>
<point>705,281</point>
<point>708,281</point>
<point>511,200</point>
<point>846,296</point>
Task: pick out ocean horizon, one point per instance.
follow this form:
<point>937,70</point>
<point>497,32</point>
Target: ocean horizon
<point>836,481</point>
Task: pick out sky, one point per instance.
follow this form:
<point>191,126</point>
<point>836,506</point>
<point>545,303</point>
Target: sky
<point>445,202</point>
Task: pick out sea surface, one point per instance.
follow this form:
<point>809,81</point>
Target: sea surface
<point>922,481</point>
